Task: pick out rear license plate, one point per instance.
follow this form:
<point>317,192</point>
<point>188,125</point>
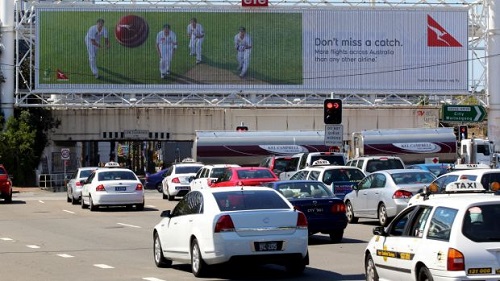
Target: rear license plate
<point>315,210</point>
<point>120,188</point>
<point>267,246</point>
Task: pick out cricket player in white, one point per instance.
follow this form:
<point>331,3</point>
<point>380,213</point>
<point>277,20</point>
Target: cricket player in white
<point>196,35</point>
<point>166,43</point>
<point>243,45</point>
<point>93,42</point>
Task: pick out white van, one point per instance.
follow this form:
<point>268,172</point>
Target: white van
<point>307,159</point>
<point>370,164</point>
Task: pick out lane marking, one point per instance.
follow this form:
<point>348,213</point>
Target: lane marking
<point>128,225</point>
<point>65,256</point>
<point>67,211</point>
<point>152,279</point>
<point>6,239</point>
<point>103,266</point>
<point>41,201</point>
<point>33,246</point>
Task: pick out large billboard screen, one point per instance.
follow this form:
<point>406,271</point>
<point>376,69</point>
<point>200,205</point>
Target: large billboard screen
<point>146,49</point>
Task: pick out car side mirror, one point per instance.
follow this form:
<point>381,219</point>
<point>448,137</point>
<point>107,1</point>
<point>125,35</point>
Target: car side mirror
<point>379,230</point>
<point>165,214</point>
<point>354,187</point>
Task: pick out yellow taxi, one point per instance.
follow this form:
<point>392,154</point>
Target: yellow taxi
<point>451,235</point>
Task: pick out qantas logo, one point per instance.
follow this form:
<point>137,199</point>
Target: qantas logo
<point>437,36</point>
<point>61,76</point>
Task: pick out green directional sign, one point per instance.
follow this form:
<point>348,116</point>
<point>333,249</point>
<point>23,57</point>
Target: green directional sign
<point>463,113</point>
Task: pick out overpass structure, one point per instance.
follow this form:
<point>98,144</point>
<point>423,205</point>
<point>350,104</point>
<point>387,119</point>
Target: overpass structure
<point>165,115</point>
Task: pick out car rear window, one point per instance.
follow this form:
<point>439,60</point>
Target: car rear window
<point>254,174</point>
<point>337,175</point>
<point>187,169</point>
<point>412,178</point>
<point>481,224</point>
<point>249,200</point>
<point>387,164</point>
<point>116,175</point>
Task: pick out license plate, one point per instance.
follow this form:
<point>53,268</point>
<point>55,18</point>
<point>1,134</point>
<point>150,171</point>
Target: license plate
<point>267,246</point>
<point>315,210</point>
<point>120,188</point>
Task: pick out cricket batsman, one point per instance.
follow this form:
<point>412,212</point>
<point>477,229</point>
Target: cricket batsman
<point>243,45</point>
<point>166,43</point>
<point>93,42</point>
<point>196,35</point>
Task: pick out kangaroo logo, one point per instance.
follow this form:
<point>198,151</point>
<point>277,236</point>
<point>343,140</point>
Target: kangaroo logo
<point>437,36</point>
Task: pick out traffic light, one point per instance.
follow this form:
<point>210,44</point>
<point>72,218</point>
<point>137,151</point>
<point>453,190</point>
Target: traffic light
<point>463,132</point>
<point>332,111</point>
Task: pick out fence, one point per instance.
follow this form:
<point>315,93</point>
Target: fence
<point>52,182</point>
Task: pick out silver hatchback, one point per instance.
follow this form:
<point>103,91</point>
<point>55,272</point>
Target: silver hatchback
<point>74,187</point>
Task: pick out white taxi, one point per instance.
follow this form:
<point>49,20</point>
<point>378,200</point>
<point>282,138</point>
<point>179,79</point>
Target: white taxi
<point>448,236</point>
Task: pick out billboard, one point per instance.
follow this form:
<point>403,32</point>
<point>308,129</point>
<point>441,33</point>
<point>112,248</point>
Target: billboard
<point>293,50</point>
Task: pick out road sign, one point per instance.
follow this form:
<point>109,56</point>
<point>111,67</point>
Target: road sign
<point>463,113</point>
<point>334,135</point>
<point>65,155</point>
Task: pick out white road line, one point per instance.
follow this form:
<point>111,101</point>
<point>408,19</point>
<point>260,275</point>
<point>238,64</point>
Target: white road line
<point>152,279</point>
<point>6,239</point>
<point>41,201</point>
<point>129,225</point>
<point>67,211</point>
<point>33,246</point>
<point>104,266</point>
<point>65,256</point>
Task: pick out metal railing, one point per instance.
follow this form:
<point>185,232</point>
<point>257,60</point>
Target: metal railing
<point>52,182</point>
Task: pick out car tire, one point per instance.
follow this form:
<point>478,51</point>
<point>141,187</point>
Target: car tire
<point>74,201</point>
<point>370,269</point>
<point>158,256</point>
<point>297,267</point>
<point>159,187</point>
<point>8,198</point>
<point>170,197</point>
<point>92,206</point>
<point>350,213</point>
<point>424,274</point>
<point>382,215</point>
<point>336,236</point>
<point>139,207</point>
<point>84,206</point>
<point>198,266</point>
<point>68,198</point>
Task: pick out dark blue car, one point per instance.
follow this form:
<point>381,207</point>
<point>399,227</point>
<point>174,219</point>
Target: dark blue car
<point>325,212</point>
<point>153,181</point>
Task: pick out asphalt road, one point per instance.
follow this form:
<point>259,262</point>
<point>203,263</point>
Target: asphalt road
<point>42,237</point>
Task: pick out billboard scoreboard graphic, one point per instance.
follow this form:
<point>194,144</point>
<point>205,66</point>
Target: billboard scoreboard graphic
<point>293,50</point>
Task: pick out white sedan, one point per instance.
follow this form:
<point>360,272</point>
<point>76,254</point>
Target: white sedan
<point>232,224</point>
<point>112,187</point>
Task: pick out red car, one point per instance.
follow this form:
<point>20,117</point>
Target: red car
<point>234,176</point>
<point>5,185</point>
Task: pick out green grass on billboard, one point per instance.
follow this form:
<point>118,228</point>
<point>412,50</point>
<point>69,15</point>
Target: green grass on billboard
<point>276,54</point>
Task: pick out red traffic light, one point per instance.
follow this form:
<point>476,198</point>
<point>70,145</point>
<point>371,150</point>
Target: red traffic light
<point>332,111</point>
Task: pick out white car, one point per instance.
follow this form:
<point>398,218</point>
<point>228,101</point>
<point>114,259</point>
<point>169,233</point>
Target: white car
<point>112,187</point>
<point>452,236</point>
<point>232,224</point>
<point>207,173</point>
<point>74,185</point>
<point>176,182</point>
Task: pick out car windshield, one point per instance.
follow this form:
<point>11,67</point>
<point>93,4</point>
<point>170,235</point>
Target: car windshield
<point>187,169</point>
<point>116,175</point>
<point>481,224</point>
<point>249,200</point>
<point>412,178</point>
<point>255,174</point>
<point>304,190</point>
<point>337,175</point>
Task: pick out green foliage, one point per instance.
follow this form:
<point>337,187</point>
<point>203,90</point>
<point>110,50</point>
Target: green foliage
<point>22,141</point>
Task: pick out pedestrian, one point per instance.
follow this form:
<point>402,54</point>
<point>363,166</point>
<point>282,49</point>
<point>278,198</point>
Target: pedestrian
<point>196,35</point>
<point>166,43</point>
<point>93,42</point>
<point>243,45</point>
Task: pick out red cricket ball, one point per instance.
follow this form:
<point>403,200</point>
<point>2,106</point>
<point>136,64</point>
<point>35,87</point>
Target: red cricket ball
<point>131,31</point>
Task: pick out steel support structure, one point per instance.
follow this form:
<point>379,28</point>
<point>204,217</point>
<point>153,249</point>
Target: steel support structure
<point>25,57</point>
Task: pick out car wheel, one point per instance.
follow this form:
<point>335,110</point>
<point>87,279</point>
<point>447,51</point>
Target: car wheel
<point>198,266</point>
<point>297,267</point>
<point>84,206</point>
<point>350,213</point>
<point>68,198</point>
<point>382,215</point>
<point>160,260</point>
<point>424,274</point>
<point>370,269</point>
<point>92,206</point>
<point>74,201</point>
<point>139,207</point>
<point>336,236</point>
<point>8,198</point>
<point>171,197</point>
<point>159,187</point>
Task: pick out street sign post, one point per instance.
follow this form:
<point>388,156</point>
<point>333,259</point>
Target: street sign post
<point>334,135</point>
<point>463,113</point>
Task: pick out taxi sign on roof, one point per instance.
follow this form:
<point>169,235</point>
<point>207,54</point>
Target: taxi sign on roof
<point>320,162</point>
<point>112,165</point>
<point>463,186</point>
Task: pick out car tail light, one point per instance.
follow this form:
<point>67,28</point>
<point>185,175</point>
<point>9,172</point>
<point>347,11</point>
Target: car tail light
<point>338,208</point>
<point>100,188</point>
<point>301,220</point>
<point>456,260</point>
<point>78,183</point>
<point>139,187</point>
<point>224,224</point>
<point>402,194</point>
<point>176,180</point>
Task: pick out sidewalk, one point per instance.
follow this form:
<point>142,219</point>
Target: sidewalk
<point>16,189</point>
